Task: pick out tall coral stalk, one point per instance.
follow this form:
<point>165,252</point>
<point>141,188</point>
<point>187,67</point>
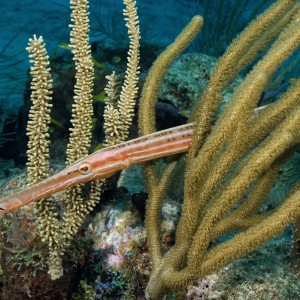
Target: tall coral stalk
<point>118,114</point>
<point>39,115</point>
<point>38,144</point>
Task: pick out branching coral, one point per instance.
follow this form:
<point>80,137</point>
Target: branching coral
<point>231,165</point>
<point>233,158</point>
<point>118,114</point>
<point>58,234</point>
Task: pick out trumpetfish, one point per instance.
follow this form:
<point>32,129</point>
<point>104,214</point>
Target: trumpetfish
<point>104,163</point>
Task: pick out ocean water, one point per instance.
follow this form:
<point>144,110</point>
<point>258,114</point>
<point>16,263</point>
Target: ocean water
<point>160,23</point>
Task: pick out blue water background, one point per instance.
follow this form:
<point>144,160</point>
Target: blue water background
<point>160,22</point>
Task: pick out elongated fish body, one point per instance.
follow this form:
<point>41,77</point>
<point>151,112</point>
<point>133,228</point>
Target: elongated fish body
<point>104,163</point>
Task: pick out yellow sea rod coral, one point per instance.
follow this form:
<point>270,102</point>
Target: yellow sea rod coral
<point>57,230</point>
<point>39,115</point>
<point>118,113</point>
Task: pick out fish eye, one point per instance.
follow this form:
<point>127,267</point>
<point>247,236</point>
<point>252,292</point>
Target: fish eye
<point>85,168</point>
